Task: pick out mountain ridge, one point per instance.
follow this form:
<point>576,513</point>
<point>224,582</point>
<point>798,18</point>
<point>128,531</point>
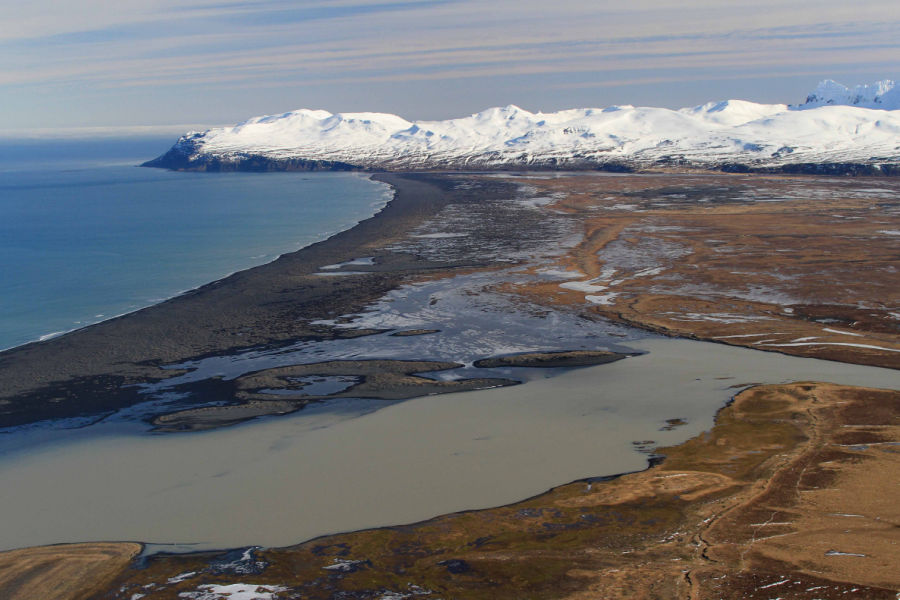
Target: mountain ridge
<point>836,130</point>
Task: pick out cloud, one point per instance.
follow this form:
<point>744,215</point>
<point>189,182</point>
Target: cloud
<point>211,45</point>
<point>179,58</point>
<point>78,133</point>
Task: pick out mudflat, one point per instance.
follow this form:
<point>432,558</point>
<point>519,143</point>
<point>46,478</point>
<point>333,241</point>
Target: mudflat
<point>377,379</point>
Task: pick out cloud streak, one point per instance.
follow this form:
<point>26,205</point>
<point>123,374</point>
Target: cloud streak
<point>211,47</point>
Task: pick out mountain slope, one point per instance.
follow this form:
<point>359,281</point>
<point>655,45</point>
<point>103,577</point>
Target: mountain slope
<point>883,95</point>
<point>835,130</point>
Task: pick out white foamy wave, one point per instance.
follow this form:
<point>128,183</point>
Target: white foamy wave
<point>49,336</point>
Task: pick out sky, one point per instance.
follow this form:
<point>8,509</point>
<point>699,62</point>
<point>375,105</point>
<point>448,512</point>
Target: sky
<point>168,64</point>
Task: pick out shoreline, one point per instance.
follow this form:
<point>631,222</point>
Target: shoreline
<point>176,160</point>
<point>175,233</point>
<point>219,317</point>
<point>55,334</point>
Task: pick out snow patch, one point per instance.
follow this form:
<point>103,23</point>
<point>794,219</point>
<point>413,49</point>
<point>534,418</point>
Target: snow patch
<point>649,272</point>
<point>345,566</point>
<point>717,317</point>
<point>438,236</point>
<point>777,583</point>
<point>868,346</point>
<point>746,335</point>
<point>603,299</point>
<point>561,274</point>
<point>583,286</point>
<point>237,591</point>
<point>837,553</point>
<point>841,332</point>
<point>356,262</point>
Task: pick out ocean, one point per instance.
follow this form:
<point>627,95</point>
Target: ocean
<point>86,235</point>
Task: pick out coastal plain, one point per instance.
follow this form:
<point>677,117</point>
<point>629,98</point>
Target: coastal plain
<point>766,500</point>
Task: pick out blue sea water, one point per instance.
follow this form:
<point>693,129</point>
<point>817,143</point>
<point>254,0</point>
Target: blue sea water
<point>85,234</point>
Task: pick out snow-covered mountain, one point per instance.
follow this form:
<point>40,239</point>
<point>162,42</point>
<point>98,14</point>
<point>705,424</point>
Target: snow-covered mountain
<point>836,130</point>
<point>883,95</point>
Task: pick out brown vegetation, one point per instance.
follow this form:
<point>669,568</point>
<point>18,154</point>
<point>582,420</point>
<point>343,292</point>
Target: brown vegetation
<point>800,266</point>
<point>63,572</point>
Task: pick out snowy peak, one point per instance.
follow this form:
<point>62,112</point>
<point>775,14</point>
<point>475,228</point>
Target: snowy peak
<point>509,112</point>
<point>884,95</point>
<point>836,126</point>
<point>733,112</point>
